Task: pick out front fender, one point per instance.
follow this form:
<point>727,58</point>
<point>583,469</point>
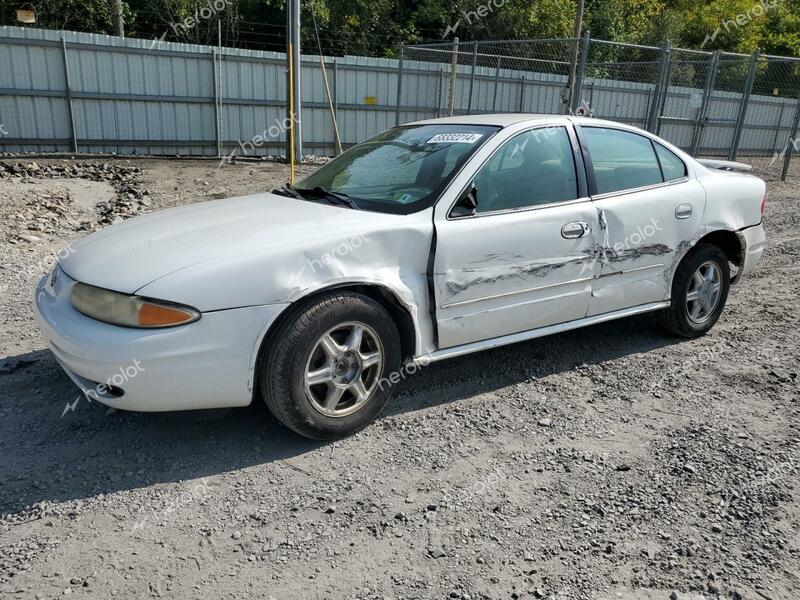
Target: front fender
<point>392,255</point>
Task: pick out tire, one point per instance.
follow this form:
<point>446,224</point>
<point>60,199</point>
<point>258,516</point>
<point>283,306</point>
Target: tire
<point>296,349</point>
<point>678,318</point>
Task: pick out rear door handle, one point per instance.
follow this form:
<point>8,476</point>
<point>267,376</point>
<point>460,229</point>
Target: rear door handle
<point>575,230</point>
<point>684,211</point>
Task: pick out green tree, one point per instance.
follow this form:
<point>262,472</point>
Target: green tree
<point>378,27</point>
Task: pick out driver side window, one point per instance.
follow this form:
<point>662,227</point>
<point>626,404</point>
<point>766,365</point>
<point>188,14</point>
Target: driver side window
<point>535,167</point>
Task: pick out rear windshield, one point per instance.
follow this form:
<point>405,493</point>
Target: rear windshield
<point>401,170</point>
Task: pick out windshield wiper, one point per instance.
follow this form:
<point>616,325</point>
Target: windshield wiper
<point>288,190</point>
<point>339,198</point>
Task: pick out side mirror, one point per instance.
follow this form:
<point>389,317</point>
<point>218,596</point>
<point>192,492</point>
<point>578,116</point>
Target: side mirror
<point>467,204</point>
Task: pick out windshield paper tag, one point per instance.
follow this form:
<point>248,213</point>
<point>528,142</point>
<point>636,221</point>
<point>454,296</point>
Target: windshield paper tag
<point>455,138</point>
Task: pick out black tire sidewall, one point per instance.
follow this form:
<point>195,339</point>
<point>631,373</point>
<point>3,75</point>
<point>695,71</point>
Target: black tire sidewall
<point>680,288</point>
<point>285,369</point>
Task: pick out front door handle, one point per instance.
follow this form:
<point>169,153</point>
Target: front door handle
<point>575,230</point>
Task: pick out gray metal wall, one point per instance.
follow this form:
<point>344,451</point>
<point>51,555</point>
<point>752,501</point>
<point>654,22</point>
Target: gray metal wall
<point>133,96</point>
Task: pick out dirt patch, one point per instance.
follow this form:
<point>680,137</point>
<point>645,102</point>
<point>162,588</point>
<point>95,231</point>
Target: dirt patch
<point>612,462</point>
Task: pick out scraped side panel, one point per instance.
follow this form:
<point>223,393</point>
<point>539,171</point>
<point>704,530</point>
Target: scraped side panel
<point>504,273</point>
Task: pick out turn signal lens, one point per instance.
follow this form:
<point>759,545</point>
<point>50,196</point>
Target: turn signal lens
<point>155,315</point>
<point>764,204</point>
<point>129,311</point>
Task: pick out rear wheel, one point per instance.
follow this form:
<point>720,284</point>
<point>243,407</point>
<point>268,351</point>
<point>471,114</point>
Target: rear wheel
<point>699,292</point>
<point>325,372</point>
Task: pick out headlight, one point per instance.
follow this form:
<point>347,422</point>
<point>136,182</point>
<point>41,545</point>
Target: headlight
<point>129,311</point>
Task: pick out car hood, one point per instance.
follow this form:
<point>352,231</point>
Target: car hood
<point>128,256</point>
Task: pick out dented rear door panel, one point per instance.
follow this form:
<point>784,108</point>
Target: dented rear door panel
<point>643,235</point>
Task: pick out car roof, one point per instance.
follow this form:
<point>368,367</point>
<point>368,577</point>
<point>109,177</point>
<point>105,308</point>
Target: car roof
<point>498,119</point>
<point>508,119</point>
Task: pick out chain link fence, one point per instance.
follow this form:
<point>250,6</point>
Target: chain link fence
<point>708,103</point>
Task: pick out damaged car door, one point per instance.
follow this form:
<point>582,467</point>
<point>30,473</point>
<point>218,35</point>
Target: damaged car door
<point>648,209</point>
<point>514,252</point>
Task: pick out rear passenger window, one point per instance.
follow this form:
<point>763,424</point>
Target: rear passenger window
<point>671,165</point>
<point>621,160</point>
<point>535,167</point>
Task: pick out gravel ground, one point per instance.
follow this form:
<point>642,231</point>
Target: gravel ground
<point>612,462</point>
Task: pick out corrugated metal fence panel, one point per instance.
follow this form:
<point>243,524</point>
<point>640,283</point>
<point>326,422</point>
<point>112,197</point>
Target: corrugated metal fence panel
<point>137,96</point>
<point>627,102</point>
<point>32,103</point>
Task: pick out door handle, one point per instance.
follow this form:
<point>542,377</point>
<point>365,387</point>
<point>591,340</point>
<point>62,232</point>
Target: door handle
<point>575,230</point>
<point>684,211</point>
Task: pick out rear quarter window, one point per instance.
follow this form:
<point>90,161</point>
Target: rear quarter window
<point>672,166</point>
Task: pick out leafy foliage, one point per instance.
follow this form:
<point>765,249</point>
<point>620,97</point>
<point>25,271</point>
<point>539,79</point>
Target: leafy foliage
<point>378,27</point>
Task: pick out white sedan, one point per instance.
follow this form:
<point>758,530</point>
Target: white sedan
<point>431,240</point>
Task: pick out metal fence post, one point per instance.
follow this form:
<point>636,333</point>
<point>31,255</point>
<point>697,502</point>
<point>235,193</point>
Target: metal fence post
<point>399,85</point>
<point>335,83</point>
<point>521,93</point>
<point>217,133</point>
<point>472,76</point>
<point>453,66</point>
<point>333,105</point>
<point>659,94</point>
<point>580,74</point>
<point>496,83</point>
<point>662,105</point>
<point>68,96</point>
<point>792,142</point>
<point>441,93</point>
<point>778,127</point>
<point>702,115</point>
<point>740,118</point>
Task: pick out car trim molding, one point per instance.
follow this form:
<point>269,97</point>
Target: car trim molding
<point>634,270</point>
<point>521,209</point>
<point>643,188</point>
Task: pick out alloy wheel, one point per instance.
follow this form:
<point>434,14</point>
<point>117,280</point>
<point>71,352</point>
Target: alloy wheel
<point>343,369</point>
<point>705,290</point>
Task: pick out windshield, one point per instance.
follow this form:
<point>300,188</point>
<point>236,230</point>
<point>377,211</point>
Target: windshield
<point>401,170</point>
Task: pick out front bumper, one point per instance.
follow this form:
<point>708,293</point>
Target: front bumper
<point>206,364</point>
<point>752,241</point>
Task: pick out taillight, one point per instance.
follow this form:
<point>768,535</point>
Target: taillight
<point>764,204</point>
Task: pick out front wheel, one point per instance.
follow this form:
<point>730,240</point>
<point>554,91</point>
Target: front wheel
<point>325,373</point>
<point>699,292</point>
